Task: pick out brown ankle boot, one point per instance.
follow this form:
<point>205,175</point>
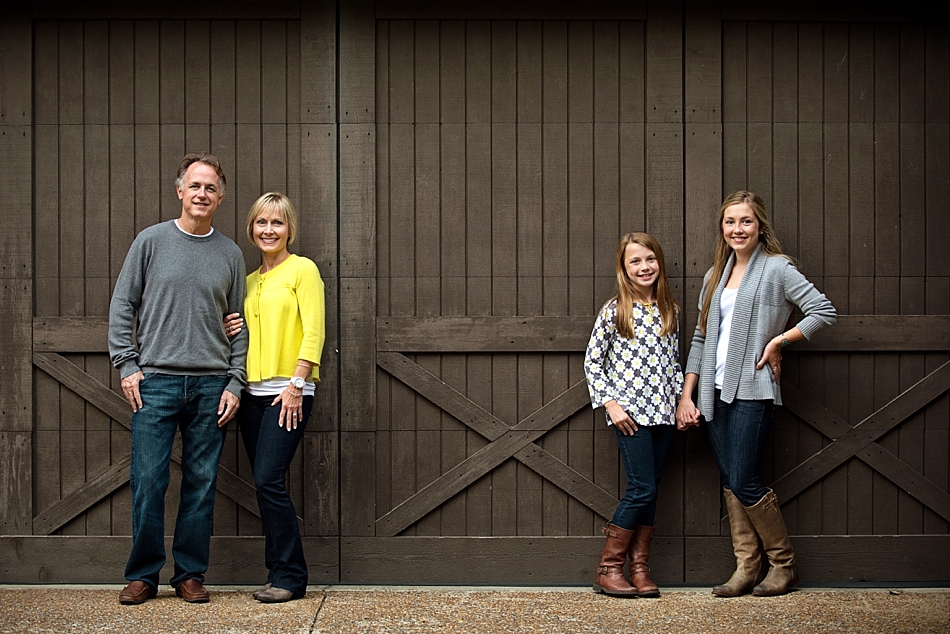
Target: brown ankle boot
<point>745,545</point>
<point>767,518</point>
<point>639,556</point>
<point>610,579</point>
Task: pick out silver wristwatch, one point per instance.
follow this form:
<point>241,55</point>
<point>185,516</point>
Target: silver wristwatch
<point>297,382</point>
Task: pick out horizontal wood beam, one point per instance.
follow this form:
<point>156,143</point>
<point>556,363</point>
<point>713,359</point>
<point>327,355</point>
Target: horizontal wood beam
<point>101,559</point>
<point>697,561</point>
<point>70,334</point>
<point>852,333</point>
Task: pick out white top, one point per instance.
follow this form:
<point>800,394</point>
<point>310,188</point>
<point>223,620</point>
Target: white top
<point>273,387</point>
<point>727,303</point>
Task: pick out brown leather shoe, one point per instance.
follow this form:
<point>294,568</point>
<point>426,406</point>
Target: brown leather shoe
<point>192,591</point>
<point>137,592</point>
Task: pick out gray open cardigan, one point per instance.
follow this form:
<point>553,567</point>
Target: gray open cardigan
<point>770,290</point>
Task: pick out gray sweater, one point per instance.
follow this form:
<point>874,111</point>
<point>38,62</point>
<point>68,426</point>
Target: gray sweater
<point>180,286</point>
<point>771,288</point>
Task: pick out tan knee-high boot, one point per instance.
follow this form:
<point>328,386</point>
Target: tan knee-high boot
<point>610,579</point>
<point>767,518</point>
<point>639,558</point>
<point>745,545</point>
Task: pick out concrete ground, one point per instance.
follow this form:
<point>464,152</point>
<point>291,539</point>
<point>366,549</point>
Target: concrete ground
<point>365,609</point>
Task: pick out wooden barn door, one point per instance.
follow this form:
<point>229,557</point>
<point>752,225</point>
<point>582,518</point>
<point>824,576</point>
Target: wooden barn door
<point>117,103</point>
<point>510,154</point>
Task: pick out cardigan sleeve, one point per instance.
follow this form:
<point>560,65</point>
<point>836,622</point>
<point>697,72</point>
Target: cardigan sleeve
<point>695,359</point>
<point>818,310</point>
<point>311,303</point>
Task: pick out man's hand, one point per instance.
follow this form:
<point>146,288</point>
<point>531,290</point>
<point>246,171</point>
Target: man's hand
<point>130,389</point>
<point>227,407</point>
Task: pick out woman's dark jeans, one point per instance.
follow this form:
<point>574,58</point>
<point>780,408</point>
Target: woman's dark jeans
<point>271,449</point>
<point>644,455</point>
<point>738,435</point>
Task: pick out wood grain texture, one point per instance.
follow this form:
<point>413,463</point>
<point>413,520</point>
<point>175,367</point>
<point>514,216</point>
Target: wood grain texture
<point>556,560</point>
<point>864,433</point>
<point>851,333</point>
<point>81,559</point>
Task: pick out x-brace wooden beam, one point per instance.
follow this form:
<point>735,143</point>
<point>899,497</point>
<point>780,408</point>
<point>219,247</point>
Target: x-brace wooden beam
<point>114,406</point>
<point>856,440</point>
<point>505,442</point>
<point>874,455</point>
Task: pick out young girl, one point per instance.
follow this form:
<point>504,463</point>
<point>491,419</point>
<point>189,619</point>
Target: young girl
<point>633,371</point>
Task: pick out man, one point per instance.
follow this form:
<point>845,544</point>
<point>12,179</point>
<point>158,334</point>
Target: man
<point>179,279</point>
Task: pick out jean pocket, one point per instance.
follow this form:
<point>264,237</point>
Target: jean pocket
<point>146,376</point>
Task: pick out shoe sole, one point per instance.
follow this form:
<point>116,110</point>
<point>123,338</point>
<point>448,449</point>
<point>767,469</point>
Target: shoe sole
<point>599,590</point>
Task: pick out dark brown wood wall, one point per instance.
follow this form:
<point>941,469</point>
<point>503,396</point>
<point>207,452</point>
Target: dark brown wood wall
<point>463,174</point>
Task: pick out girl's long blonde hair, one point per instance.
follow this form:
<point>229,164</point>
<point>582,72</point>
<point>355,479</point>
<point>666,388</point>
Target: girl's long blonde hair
<point>661,288</point>
<point>770,244</point>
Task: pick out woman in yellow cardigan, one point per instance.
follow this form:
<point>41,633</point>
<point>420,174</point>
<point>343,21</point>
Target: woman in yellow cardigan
<point>284,310</point>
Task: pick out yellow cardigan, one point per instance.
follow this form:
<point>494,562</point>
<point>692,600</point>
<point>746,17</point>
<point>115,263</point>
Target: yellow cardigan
<point>285,316</point>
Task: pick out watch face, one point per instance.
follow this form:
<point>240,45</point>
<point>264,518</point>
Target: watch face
<point>297,382</point>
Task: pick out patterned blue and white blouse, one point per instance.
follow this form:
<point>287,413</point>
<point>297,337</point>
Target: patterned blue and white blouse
<point>643,375</point>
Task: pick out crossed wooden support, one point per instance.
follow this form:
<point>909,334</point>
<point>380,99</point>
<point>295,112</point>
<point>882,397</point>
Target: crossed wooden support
<point>549,334</point>
<point>505,442</point>
<point>113,405</point>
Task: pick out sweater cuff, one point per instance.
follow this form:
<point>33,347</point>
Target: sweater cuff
<point>234,387</point>
<point>128,368</point>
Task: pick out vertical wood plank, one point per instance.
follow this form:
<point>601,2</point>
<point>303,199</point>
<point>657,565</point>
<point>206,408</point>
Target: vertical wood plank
<point>702,74</point>
<point>357,274</point>
<point>95,66</point>
<point>426,75</point>
<point>478,105</point>
<point>530,74</point>
<point>274,70</point>
<point>554,71</point>
<point>318,63</point>
<point>504,87</point>
<point>357,82</point>
<point>171,80</point>
<point>147,70</point>
<point>632,72</point>
<point>16,272</point>
<point>222,72</point>
<point>580,72</point>
<point>197,85</point>
<point>45,71</point>
<point>248,65</point>
<point>606,71</point>
<point>664,62</point>
<point>452,71</point>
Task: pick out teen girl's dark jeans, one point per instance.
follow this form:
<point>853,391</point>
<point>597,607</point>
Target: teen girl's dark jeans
<point>738,434</point>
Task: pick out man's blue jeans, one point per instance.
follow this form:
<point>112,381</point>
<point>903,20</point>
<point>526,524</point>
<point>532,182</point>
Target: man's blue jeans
<point>738,435</point>
<point>170,403</point>
<point>270,450</point>
<point>643,455</point>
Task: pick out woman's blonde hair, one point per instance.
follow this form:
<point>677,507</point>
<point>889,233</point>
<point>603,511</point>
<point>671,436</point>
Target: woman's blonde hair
<point>770,244</point>
<point>625,291</point>
<point>284,208</point>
